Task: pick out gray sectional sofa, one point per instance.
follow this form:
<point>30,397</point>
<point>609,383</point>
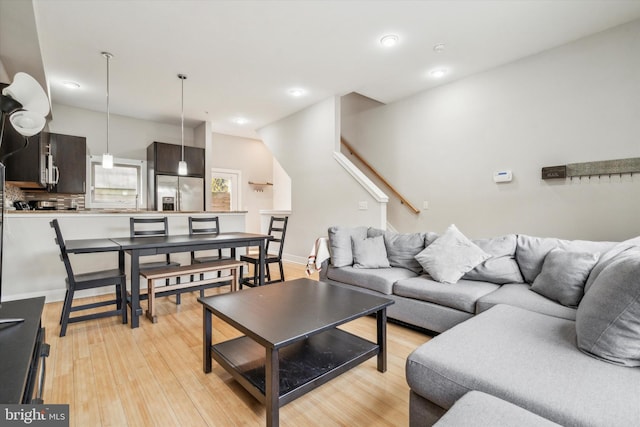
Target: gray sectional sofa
<point>549,325</point>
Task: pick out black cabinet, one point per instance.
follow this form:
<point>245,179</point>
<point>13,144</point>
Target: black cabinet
<point>163,158</point>
<point>70,157</point>
<point>166,158</point>
<point>22,352</point>
<point>195,161</point>
<point>25,166</point>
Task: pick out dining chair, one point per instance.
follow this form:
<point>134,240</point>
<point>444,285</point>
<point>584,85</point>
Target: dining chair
<point>96,279</point>
<point>277,231</point>
<point>207,225</point>
<point>147,227</point>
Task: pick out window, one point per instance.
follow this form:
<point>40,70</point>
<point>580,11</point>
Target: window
<point>225,193</point>
<point>120,187</point>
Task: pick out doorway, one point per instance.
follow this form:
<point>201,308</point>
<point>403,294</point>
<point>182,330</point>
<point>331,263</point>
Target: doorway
<point>225,189</point>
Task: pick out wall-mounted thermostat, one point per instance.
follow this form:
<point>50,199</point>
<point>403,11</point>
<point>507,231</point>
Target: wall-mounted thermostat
<point>502,176</point>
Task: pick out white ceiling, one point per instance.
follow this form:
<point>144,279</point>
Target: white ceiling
<point>242,57</point>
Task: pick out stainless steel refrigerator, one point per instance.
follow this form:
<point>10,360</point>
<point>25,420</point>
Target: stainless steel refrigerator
<point>179,193</point>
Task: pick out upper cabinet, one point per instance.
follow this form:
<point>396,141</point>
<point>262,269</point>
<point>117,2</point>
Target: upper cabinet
<point>28,167</point>
<point>163,158</point>
<point>70,157</point>
<point>25,166</point>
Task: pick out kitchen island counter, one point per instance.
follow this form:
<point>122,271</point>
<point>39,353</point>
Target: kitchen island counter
<point>129,212</point>
<point>32,266</point>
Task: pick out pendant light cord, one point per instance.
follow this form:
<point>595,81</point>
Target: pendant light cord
<point>108,112</point>
<point>108,56</point>
<point>182,77</point>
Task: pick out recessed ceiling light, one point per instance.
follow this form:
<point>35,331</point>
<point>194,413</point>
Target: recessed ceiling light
<point>438,73</point>
<point>439,48</point>
<point>296,92</point>
<point>241,120</point>
<point>71,85</point>
<point>389,40</point>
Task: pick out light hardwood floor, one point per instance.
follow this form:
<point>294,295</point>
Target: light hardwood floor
<point>111,375</point>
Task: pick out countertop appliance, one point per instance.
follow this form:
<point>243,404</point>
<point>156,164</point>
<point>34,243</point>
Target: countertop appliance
<point>43,205</point>
<point>179,193</point>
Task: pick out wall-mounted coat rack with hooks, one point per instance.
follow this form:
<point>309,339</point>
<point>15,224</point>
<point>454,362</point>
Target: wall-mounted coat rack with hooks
<point>589,169</point>
<point>259,186</point>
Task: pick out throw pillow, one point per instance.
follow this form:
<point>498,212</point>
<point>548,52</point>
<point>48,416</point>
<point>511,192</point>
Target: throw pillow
<point>608,318</point>
<point>369,253</point>
<point>502,267</point>
<point>375,232</point>
<point>450,256</point>
<point>563,276</point>
<point>608,256</point>
<point>402,249</point>
<point>340,244</point>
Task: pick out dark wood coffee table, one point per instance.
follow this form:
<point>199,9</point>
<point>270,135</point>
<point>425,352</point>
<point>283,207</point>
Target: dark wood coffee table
<point>291,343</point>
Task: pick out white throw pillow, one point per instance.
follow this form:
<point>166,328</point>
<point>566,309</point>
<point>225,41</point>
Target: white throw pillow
<point>451,256</point>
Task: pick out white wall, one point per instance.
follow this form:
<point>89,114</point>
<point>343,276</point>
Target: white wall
<point>128,137</point>
<point>254,160</point>
<point>281,188</point>
<point>203,139</point>
<point>322,192</point>
<point>576,103</point>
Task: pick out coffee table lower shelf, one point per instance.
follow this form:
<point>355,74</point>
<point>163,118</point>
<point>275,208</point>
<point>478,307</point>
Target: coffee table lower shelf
<point>304,365</point>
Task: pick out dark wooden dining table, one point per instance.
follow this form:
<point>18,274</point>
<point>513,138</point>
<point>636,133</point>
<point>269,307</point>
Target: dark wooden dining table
<point>159,245</point>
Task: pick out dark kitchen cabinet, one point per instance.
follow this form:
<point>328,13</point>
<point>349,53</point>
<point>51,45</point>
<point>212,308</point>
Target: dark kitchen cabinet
<point>25,168</point>
<point>70,156</point>
<point>195,161</point>
<point>163,158</point>
<point>166,157</point>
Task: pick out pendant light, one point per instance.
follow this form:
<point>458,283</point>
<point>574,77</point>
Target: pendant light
<point>182,165</point>
<point>107,159</point>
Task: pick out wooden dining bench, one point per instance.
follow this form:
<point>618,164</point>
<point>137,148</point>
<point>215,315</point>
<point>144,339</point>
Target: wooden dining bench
<point>189,270</point>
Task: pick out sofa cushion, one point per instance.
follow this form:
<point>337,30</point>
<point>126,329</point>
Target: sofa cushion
<point>375,232</point>
<point>608,318</point>
<point>481,409</point>
<point>531,251</point>
<point>607,257</point>
<point>450,256</point>
<point>530,360</point>
<point>376,279</point>
<point>340,244</point>
<point>521,295</point>
<point>461,295</point>
<point>369,252</point>
<point>563,276</point>
<point>502,266</point>
<point>402,249</point>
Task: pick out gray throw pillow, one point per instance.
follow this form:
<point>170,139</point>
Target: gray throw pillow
<point>369,253</point>
<point>402,249</point>
<point>502,267</point>
<point>450,256</point>
<point>608,318</point>
<point>375,232</point>
<point>340,244</point>
<point>563,276</point>
<point>608,256</point>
